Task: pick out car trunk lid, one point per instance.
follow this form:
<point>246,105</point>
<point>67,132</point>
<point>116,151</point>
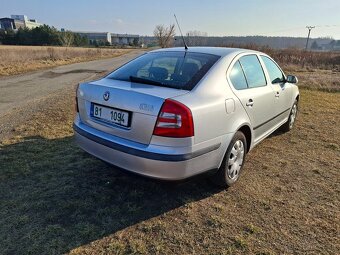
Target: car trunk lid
<point>139,104</point>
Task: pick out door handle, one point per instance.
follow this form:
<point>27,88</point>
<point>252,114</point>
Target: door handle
<point>277,94</point>
<point>250,102</point>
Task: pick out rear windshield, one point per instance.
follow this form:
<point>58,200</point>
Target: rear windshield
<point>181,70</point>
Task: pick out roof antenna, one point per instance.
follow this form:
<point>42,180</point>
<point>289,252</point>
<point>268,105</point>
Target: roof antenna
<point>185,45</point>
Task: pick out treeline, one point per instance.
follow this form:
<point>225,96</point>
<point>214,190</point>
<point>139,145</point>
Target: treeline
<point>43,35</point>
<point>297,57</point>
<point>280,42</point>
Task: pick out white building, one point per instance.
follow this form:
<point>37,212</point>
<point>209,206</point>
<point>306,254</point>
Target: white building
<point>122,39</point>
<point>29,23</point>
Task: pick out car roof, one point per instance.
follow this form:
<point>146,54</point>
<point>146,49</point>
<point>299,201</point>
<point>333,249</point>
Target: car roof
<point>219,51</point>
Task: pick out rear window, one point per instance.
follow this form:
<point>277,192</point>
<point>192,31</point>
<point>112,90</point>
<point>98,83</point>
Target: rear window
<point>181,70</point>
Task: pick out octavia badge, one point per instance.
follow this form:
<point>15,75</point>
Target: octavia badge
<point>106,95</point>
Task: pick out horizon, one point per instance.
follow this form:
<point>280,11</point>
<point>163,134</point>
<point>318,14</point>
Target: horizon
<point>217,19</point>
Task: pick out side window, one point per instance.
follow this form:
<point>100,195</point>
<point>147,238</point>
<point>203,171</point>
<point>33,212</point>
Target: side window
<point>275,74</point>
<point>253,71</point>
<point>237,77</point>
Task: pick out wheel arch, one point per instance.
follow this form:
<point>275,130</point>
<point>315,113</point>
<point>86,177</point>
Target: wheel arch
<point>246,130</point>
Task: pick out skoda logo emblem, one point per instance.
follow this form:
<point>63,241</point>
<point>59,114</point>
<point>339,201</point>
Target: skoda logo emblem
<point>106,95</point>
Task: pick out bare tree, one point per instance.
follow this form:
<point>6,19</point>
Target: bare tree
<point>164,35</point>
<point>66,38</point>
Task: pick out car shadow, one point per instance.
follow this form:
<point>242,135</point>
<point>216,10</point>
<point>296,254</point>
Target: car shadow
<point>277,132</point>
<point>54,197</point>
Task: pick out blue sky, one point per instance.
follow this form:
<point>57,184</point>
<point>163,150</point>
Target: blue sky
<point>215,17</point>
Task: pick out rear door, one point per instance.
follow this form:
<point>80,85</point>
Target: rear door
<point>250,86</point>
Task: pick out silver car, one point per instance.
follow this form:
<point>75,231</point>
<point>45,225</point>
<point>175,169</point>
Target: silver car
<point>174,113</point>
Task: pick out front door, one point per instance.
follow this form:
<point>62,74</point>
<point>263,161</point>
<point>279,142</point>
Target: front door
<point>281,89</point>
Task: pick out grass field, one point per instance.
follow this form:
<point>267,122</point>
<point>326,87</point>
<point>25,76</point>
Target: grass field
<point>56,199</point>
<point>20,59</point>
<point>322,80</point>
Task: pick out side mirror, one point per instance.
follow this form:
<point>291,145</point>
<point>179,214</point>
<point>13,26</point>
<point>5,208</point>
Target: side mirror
<point>292,79</point>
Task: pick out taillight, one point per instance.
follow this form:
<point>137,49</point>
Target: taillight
<point>174,120</point>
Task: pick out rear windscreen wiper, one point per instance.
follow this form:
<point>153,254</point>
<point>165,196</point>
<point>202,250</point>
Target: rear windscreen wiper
<point>153,82</point>
<point>146,81</point>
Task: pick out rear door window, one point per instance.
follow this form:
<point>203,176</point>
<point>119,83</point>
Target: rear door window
<point>253,71</point>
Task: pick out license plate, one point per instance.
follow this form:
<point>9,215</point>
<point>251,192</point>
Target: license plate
<point>110,115</point>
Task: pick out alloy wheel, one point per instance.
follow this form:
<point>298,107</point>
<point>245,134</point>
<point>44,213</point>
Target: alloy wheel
<point>292,116</point>
<point>235,160</point>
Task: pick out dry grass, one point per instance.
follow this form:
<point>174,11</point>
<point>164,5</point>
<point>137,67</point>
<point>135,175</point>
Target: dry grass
<point>57,199</point>
<point>21,59</point>
<point>316,79</point>
<point>323,76</point>
<point>306,59</point>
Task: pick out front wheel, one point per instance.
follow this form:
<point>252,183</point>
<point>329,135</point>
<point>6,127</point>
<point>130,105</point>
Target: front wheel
<point>291,119</point>
<point>233,161</point>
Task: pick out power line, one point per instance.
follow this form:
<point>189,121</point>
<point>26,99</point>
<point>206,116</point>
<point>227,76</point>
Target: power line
<point>309,30</point>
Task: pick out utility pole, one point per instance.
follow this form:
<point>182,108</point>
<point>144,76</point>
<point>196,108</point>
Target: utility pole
<point>309,30</point>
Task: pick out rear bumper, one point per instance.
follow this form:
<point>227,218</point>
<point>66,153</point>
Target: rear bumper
<point>181,163</point>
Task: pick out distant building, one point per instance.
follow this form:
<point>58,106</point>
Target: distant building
<point>29,23</point>
<point>11,24</point>
<point>110,38</point>
<point>122,39</point>
<point>18,21</point>
<point>99,37</point>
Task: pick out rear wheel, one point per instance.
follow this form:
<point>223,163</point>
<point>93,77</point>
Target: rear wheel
<point>291,119</point>
<point>233,161</point>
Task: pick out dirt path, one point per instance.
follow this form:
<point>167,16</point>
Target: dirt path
<point>18,90</point>
<point>23,95</point>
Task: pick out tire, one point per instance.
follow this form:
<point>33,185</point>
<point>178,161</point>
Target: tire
<point>291,119</point>
<point>233,161</point>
